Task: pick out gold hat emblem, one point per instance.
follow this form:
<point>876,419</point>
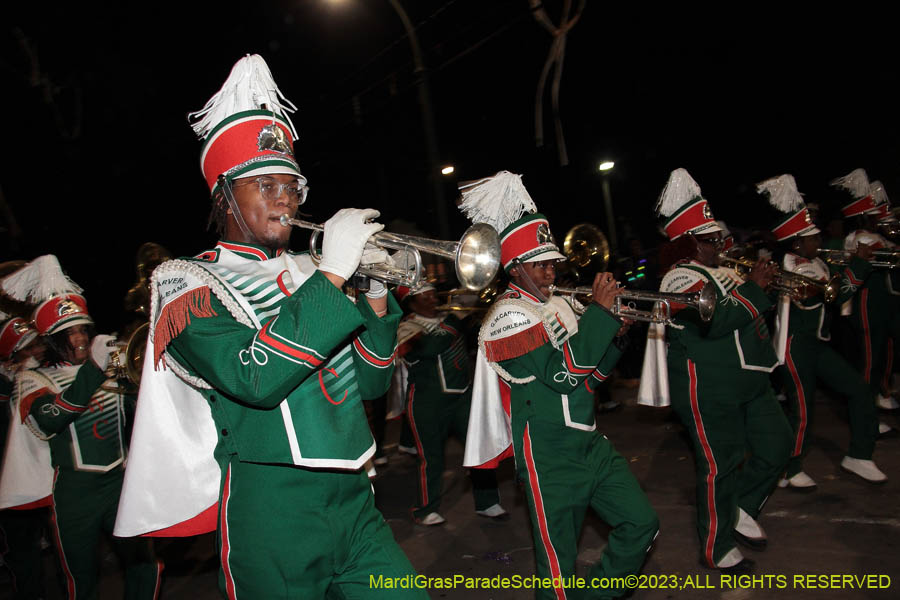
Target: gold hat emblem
<point>707,213</point>
<point>272,137</point>
<point>21,327</point>
<point>67,307</point>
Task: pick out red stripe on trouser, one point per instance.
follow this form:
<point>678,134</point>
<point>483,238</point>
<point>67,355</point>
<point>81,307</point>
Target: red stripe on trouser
<point>801,399</point>
<point>888,368</point>
<point>534,484</point>
<point>711,462</point>
<point>223,531</point>
<point>156,586</point>
<point>70,580</point>
<point>867,338</point>
<point>423,464</point>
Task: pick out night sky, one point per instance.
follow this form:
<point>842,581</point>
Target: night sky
<point>99,157</point>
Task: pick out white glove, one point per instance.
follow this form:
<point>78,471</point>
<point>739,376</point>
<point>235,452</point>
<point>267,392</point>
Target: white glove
<point>101,347</point>
<point>377,289</point>
<point>345,236</point>
<point>372,254</point>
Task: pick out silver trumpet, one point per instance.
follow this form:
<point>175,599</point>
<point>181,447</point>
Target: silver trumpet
<point>703,301</point>
<point>476,256</point>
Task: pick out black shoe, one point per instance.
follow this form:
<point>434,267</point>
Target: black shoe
<point>758,544</point>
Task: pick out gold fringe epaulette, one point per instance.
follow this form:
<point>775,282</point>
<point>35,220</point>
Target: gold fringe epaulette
<point>176,315</point>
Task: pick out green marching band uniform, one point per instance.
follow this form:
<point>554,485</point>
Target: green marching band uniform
<point>540,363</point>
<point>22,517</point>
<point>87,428</point>
<point>808,356</point>
<point>250,420</point>
<point>874,317</point>
<point>718,377</point>
<point>439,392</point>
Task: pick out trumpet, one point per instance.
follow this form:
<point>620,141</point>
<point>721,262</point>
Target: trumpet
<point>126,361</point>
<point>703,301</point>
<point>476,256</point>
<point>795,285</point>
<point>887,258</point>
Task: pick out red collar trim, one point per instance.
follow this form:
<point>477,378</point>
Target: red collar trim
<point>524,293</point>
<point>254,251</point>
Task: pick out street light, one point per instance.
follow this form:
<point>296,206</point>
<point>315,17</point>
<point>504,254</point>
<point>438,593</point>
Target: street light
<point>605,168</point>
<point>447,170</point>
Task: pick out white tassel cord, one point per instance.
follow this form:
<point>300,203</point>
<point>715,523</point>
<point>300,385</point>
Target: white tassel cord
<point>498,200</point>
<point>39,280</point>
<point>249,86</point>
<point>679,190</point>
<point>783,193</point>
<point>856,182</point>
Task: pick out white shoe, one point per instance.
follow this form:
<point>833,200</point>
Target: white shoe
<point>883,427</point>
<point>863,468</point>
<point>408,449</point>
<point>494,512</point>
<point>781,397</point>
<point>381,460</point>
<point>733,557</point>
<point>431,518</point>
<point>749,532</point>
<point>800,481</point>
<point>783,483</point>
<point>886,402</point>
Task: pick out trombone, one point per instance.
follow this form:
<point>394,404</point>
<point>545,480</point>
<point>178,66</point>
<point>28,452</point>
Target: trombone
<point>476,255</point>
<point>703,301</point>
<point>795,285</point>
<point>887,258</point>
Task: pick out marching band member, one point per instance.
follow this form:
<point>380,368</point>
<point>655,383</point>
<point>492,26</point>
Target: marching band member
<point>718,377</point>
<point>66,404</point>
<point>21,520</point>
<point>808,356</point>
<point>874,316</point>
<point>250,417</point>
<point>540,362</point>
<point>438,396</point>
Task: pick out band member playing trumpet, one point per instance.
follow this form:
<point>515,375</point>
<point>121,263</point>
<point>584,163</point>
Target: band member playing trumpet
<point>808,355</point>
<point>85,424</point>
<point>873,318</point>
<point>718,375</point>
<point>540,361</point>
<point>250,420</point>
<point>438,394</point>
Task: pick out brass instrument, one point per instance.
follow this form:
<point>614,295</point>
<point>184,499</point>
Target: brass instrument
<point>887,258</point>
<point>795,285</point>
<point>703,301</point>
<point>126,362</point>
<point>476,255</point>
<point>586,245</point>
<point>889,229</point>
<point>483,301</point>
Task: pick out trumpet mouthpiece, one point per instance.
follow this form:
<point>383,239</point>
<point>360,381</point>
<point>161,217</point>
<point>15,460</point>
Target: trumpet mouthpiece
<point>285,221</point>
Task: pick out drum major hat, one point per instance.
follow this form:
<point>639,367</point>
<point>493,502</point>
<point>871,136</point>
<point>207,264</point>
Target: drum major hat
<point>784,196</point>
<point>15,334</point>
<point>856,183</point>
<point>883,213</point>
<point>60,304</point>
<point>683,207</point>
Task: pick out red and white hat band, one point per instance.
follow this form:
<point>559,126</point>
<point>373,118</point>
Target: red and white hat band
<point>696,217</point>
<point>255,137</point>
<point>527,240</point>
<point>15,334</point>
<point>60,312</point>
<point>797,223</point>
<point>858,207</point>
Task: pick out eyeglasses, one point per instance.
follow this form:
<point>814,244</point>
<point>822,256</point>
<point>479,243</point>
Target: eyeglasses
<point>271,189</point>
<point>716,242</point>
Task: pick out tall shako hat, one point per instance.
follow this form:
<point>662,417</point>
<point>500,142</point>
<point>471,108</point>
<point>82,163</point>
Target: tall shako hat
<point>683,207</point>
<point>784,196</point>
<point>503,202</point>
<point>245,127</point>
<point>59,299</point>
<point>857,184</point>
<point>882,202</point>
<point>15,334</point>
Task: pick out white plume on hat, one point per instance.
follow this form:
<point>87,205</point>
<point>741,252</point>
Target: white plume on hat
<point>856,182</point>
<point>497,200</point>
<point>39,280</point>
<point>679,190</point>
<point>783,193</point>
<point>250,86</point>
<point>879,195</point>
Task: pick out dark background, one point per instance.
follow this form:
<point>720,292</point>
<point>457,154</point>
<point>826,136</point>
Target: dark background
<point>98,156</point>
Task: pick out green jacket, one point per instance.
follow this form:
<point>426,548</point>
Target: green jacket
<point>437,359</point>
